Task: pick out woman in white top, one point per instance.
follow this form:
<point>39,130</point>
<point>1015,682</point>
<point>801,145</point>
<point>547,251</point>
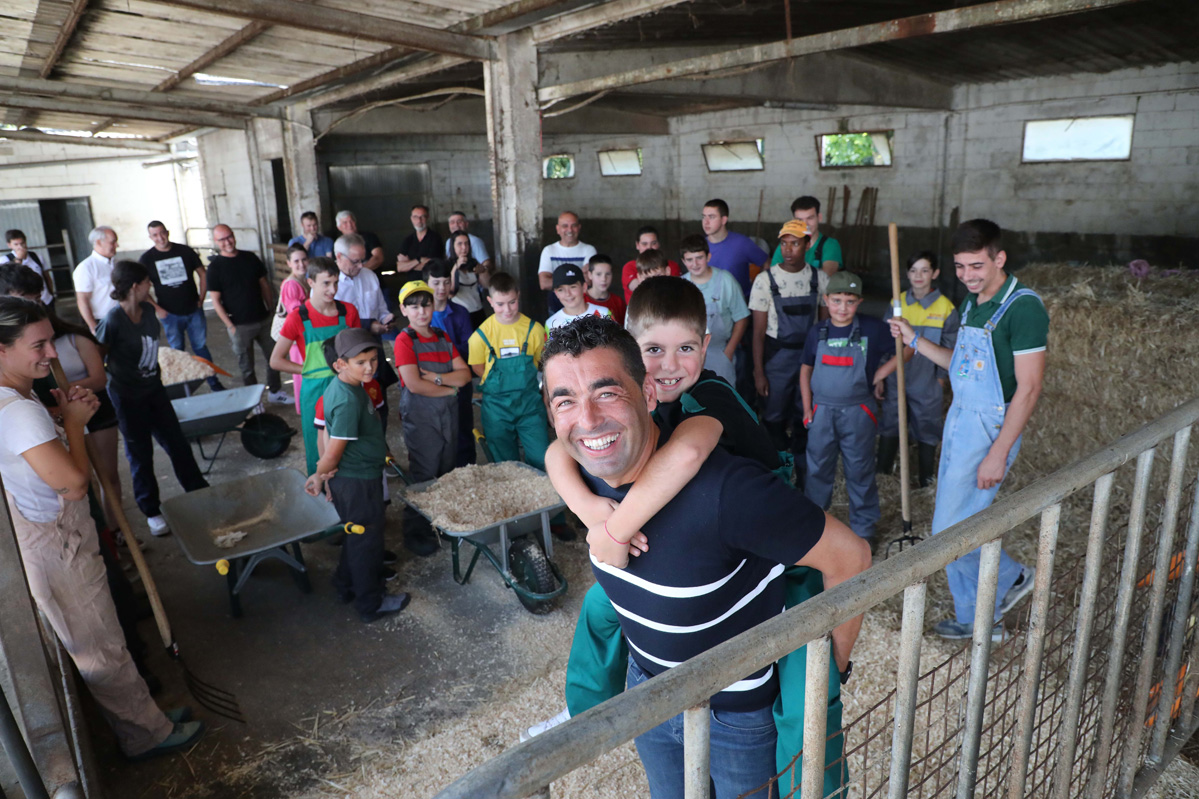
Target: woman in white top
<point>46,485</point>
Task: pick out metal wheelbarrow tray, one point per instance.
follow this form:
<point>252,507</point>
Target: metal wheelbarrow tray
<point>273,510</point>
<point>526,567</point>
<point>216,413</point>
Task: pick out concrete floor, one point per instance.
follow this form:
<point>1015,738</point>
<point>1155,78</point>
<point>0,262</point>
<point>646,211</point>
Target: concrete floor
<point>293,656</point>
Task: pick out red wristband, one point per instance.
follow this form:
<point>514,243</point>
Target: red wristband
<point>614,538</point>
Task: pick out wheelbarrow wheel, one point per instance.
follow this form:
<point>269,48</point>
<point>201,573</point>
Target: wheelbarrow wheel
<point>531,570</point>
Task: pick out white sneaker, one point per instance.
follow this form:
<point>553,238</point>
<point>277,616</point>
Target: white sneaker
<point>280,398</point>
<point>158,526</point>
<point>548,724</point>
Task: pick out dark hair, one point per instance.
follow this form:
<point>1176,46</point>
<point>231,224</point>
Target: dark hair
<point>156,223</point>
<point>646,229</point>
<point>719,205</point>
<point>592,332</point>
<point>424,208</point>
<point>600,258</point>
<point>502,283</point>
<point>694,243</point>
<point>650,260</point>
<point>14,234</point>
<point>20,280</point>
<point>16,314</point>
<point>126,275</point>
<point>322,264</point>
<point>805,203</point>
<point>664,299</point>
<point>923,255</point>
<point>296,248</point>
<point>412,298</point>
<point>437,267</point>
<point>458,213</point>
<point>459,234</point>
<point>977,234</point>
<point>308,215</point>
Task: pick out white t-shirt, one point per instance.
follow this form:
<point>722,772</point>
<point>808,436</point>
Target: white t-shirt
<point>554,255</point>
<point>363,292</point>
<point>791,284</point>
<point>94,275</point>
<point>26,424</point>
<point>562,318</point>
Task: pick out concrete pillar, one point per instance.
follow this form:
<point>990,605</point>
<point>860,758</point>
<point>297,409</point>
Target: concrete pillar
<point>299,165</point>
<point>514,136</point>
<point>261,215</point>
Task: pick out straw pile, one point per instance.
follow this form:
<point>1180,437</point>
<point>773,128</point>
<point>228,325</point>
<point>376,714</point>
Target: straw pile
<point>176,366</point>
<point>473,497</point>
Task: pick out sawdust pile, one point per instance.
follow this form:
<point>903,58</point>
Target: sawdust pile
<point>228,540</point>
<point>177,366</point>
<point>475,496</point>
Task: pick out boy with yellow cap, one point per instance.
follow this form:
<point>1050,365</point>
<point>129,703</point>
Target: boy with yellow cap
<point>431,372</point>
<point>785,302</point>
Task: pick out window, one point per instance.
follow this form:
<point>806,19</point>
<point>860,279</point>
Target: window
<point>620,162</point>
<point>734,156</point>
<point>868,148</point>
<point>557,167</point>
<point>1078,139</point>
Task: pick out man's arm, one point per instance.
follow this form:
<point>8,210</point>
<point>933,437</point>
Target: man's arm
<point>735,337</point>
<point>759,351</point>
<point>376,260</point>
<point>545,280</point>
<point>268,293</point>
<point>219,307</point>
<point>901,328</point>
<point>406,264</point>
<point>839,555</point>
<point>279,360</point>
<point>203,273</point>
<point>83,300</point>
<point>1030,371</point>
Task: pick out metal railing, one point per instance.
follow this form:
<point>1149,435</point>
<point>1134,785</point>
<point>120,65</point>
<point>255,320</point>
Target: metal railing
<point>1092,699</point>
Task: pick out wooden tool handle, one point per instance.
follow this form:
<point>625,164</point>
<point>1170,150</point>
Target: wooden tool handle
<point>902,398</point>
<point>139,560</point>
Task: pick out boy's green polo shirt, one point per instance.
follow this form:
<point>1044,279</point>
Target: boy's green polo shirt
<point>1023,329</point>
<point>350,416</point>
<point>832,252</point>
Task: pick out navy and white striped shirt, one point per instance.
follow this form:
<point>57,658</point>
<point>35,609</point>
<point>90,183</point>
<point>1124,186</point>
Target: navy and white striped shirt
<point>713,570</point>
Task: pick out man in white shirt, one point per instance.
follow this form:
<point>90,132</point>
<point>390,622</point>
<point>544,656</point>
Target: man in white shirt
<point>21,254</point>
<point>358,286</point>
<point>570,288</point>
<point>478,250</point>
<point>567,250</point>
<point>93,277</point>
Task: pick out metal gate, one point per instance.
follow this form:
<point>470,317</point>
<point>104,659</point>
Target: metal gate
<point>380,195</point>
<point>1093,695</point>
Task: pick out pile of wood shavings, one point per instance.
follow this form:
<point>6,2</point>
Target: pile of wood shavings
<point>228,540</point>
<point>177,366</point>
<point>473,497</point>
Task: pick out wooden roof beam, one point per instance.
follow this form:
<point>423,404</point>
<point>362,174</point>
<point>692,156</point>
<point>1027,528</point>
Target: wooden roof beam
<point>595,17</point>
<point>64,36</point>
<point>227,46</point>
<point>125,98</point>
<point>117,110</point>
<point>1003,12</point>
<point>345,23</point>
<point>54,138</point>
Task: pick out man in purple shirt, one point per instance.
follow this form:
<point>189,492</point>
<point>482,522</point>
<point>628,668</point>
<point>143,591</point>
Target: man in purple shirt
<point>730,251</point>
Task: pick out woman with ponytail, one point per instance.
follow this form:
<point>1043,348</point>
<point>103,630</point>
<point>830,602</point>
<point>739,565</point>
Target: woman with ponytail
<point>45,474</point>
<point>130,331</point>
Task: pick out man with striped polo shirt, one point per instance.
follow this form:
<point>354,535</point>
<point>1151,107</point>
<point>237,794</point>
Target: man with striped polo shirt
<point>716,558</point>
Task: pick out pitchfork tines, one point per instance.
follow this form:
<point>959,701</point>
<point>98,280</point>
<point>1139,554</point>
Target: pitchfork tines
<point>217,700</point>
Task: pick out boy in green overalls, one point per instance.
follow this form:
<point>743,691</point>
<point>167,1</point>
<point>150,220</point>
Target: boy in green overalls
<point>505,352</point>
<point>319,318</point>
<point>701,411</point>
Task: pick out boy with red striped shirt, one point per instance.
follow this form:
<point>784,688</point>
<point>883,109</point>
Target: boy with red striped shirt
<point>431,372</point>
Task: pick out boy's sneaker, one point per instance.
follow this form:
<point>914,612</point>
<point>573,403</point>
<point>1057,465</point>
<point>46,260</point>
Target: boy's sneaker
<point>389,557</point>
<point>388,574</point>
<point>954,631</point>
<point>158,526</point>
<point>548,724</point>
<point>1020,589</point>
<point>391,604</point>
<point>179,715</point>
<point>280,398</point>
<point>183,736</point>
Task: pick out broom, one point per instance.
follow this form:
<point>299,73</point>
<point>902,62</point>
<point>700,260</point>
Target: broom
<point>217,700</point>
<point>902,400</point>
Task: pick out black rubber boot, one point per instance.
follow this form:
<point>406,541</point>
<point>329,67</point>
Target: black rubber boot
<point>927,464</point>
<point>888,448</point>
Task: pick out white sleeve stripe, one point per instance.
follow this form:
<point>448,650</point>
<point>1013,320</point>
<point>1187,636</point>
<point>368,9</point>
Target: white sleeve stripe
<point>739,686</point>
<point>1028,352</point>
<point>343,438</point>
<point>775,573</point>
<point>674,592</point>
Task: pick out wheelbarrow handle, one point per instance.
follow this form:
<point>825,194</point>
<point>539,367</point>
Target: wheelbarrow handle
<point>139,560</point>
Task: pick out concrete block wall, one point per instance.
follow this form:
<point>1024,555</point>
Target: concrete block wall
<point>230,197</point>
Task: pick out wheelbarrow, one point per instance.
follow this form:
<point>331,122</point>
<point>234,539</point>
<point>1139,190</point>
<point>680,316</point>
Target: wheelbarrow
<point>274,512</point>
<point>521,556</point>
<point>221,412</point>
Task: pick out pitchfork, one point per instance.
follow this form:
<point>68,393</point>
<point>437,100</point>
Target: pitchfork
<point>217,700</point>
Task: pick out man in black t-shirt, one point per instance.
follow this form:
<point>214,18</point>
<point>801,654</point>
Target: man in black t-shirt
<point>716,557</point>
<point>421,246</point>
<point>179,304</point>
<point>241,295</point>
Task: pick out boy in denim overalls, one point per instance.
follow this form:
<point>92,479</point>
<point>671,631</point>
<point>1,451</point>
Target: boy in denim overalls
<point>996,368</point>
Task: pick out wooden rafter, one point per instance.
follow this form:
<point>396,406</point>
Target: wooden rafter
<point>64,36</point>
<point>223,49</point>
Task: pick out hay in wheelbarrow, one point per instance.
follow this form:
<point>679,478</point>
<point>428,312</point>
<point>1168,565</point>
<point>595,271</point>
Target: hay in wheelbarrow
<point>477,496</point>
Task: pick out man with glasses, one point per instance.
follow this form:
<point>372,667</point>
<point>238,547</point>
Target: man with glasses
<point>242,297</point>
<point>421,246</point>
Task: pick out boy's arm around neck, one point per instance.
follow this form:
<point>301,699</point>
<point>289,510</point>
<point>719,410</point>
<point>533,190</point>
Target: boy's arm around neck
<point>839,555</point>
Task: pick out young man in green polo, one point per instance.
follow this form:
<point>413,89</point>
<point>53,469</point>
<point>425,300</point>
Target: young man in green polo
<point>996,368</point>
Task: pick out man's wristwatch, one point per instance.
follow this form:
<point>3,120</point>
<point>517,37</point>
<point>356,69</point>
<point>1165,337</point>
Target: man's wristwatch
<point>845,675</point>
<point>437,380</point>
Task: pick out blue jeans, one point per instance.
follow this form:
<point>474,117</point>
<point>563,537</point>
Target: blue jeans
<point>196,328</point>
<point>742,751</point>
